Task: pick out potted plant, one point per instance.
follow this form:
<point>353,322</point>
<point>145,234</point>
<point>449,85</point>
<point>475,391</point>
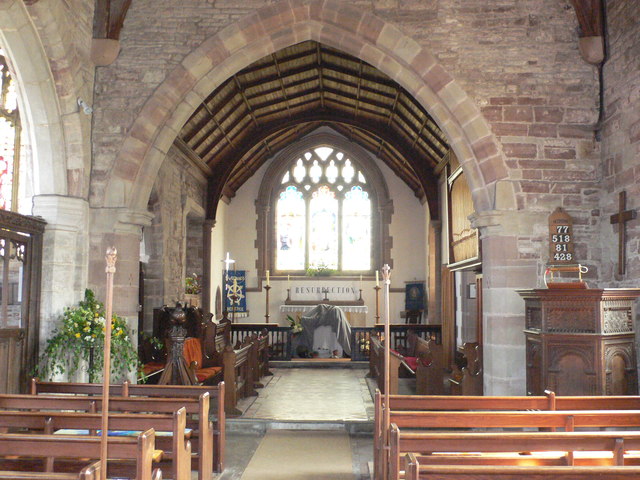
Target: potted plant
<point>192,289</point>
<point>79,342</point>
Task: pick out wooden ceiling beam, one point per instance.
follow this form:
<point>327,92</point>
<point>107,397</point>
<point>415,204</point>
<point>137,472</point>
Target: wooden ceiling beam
<point>108,18</point>
<point>422,167</point>
<point>247,105</point>
<point>589,14</point>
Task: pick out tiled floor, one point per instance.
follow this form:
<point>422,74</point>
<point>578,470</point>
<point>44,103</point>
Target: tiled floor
<point>303,398</point>
<point>312,394</point>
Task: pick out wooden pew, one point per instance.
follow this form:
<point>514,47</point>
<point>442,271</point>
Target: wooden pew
<point>49,422</point>
<point>203,444</point>
<point>216,393</point>
<point>18,446</point>
<point>415,471</point>
<point>376,365</point>
<point>428,444</point>
<point>238,377</point>
<point>466,375</point>
<point>415,405</point>
<point>89,472</point>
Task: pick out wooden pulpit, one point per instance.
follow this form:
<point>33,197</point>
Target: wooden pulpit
<point>581,341</point>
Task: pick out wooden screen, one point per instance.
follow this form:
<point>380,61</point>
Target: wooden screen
<point>464,239</point>
<point>20,266</point>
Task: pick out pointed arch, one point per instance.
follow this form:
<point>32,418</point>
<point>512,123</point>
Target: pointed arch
<point>40,110</point>
<point>286,23</point>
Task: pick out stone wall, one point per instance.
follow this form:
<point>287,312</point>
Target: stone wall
<point>518,60</point>
<point>621,138</point>
<point>177,199</point>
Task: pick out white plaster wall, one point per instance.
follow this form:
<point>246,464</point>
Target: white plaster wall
<point>239,233</point>
<point>218,252</point>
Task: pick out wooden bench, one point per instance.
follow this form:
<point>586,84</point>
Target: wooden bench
<point>238,376</point>
<point>216,394</point>
<point>26,452</point>
<point>431,444</point>
<point>466,378</point>
<point>425,364</point>
<point>431,412</point>
<point>89,472</point>
<point>415,471</point>
<point>202,431</point>
<point>55,422</point>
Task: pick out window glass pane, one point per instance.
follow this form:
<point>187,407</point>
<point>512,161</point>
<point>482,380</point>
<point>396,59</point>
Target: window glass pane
<point>356,230</point>
<point>347,171</point>
<point>286,177</point>
<point>290,217</point>
<point>323,152</point>
<point>315,172</point>
<point>323,235</point>
<point>332,172</point>
<point>299,171</point>
<point>7,143</point>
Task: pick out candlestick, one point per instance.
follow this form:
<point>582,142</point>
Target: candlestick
<point>377,289</point>
<point>386,275</point>
<point>266,289</point>
<point>377,279</point>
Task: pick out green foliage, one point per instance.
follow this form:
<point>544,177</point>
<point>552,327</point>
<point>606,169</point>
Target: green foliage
<point>192,285</point>
<point>81,337</point>
<point>296,326</point>
<point>320,270</point>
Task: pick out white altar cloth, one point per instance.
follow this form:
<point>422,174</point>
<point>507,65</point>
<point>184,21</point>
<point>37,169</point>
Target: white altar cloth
<point>306,308</point>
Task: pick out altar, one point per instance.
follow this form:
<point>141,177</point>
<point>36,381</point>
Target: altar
<point>325,331</point>
<point>356,314</point>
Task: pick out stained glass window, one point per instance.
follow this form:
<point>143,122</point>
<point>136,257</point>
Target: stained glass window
<point>9,136</point>
<point>323,214</point>
<point>290,211</point>
<point>356,231</point>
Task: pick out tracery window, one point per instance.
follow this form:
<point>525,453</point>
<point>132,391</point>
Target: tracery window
<point>323,214</point>
<point>9,137</point>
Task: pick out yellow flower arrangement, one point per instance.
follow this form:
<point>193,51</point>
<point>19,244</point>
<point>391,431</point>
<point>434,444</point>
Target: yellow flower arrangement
<point>80,336</point>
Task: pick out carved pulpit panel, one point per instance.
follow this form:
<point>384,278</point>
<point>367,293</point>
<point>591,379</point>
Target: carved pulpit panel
<point>581,341</point>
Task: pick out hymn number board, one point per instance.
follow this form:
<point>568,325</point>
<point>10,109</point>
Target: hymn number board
<point>561,248</point>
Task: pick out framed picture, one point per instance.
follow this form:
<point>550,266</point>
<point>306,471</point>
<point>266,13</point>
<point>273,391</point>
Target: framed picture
<point>471,290</point>
<point>414,296</point>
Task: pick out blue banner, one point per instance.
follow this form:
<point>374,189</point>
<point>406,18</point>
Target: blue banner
<point>236,292</point>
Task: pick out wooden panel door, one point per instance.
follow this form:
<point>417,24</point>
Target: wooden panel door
<point>20,264</point>
<point>14,290</point>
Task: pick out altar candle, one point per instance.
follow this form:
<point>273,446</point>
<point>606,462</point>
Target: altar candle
<point>377,279</point>
<point>267,278</point>
<point>360,281</point>
<point>289,282</point>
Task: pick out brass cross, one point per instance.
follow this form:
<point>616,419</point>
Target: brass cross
<point>621,218</point>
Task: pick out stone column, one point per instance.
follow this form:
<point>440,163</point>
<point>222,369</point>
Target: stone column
<point>65,256</point>
<point>503,314</point>
<point>121,228</point>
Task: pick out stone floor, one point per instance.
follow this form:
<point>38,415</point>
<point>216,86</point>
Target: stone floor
<point>304,399</point>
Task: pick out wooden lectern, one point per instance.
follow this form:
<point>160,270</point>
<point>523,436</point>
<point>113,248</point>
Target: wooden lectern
<point>581,341</point>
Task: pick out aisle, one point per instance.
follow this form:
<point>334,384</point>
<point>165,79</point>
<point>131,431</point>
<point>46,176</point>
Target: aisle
<point>307,423</point>
<point>308,394</point>
<point>302,454</point>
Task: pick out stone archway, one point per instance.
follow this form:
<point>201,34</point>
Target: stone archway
<point>384,46</point>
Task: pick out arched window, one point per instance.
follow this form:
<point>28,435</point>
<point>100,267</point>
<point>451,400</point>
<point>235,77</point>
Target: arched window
<point>9,137</point>
<point>323,214</point>
<point>323,204</point>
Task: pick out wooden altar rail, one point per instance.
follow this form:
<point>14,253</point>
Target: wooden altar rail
<point>360,336</point>
<point>279,337</point>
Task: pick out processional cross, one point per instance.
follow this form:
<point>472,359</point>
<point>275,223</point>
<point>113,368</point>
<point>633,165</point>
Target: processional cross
<point>622,217</point>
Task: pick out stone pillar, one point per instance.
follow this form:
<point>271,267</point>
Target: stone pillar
<point>208,285</point>
<point>65,256</point>
<point>121,228</point>
<point>503,314</point>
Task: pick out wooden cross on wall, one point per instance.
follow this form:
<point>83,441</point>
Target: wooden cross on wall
<point>622,217</point>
